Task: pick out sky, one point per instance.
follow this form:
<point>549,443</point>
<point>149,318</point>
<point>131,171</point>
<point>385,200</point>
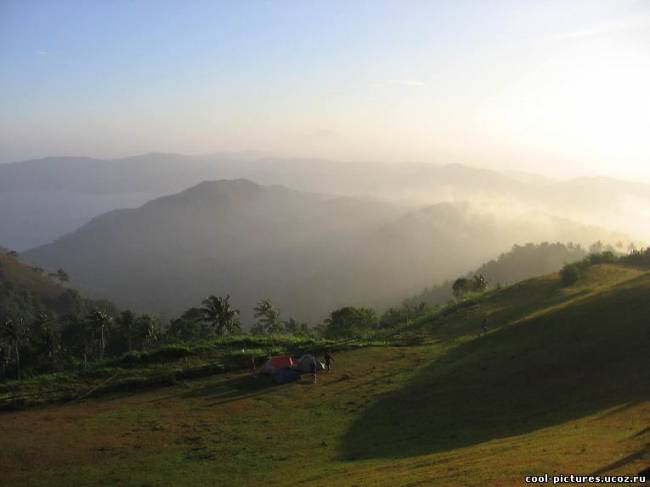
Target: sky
<point>552,87</point>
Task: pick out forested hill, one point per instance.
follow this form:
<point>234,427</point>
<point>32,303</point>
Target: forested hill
<point>26,292</point>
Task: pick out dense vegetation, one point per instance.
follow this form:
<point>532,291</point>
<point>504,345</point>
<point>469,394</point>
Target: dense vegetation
<point>46,327</point>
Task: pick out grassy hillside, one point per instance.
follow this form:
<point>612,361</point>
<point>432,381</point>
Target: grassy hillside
<point>559,383</point>
<point>553,355</point>
<point>159,367</point>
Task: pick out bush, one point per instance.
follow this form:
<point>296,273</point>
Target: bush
<point>463,286</point>
<point>350,322</point>
<point>169,352</point>
<point>163,354</point>
<point>570,274</point>
<point>130,358</point>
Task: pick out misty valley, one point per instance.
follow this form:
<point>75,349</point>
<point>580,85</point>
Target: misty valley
<point>198,288</point>
<point>335,244</point>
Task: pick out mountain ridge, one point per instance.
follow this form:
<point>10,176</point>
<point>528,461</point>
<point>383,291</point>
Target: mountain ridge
<point>58,195</point>
<point>308,252</point>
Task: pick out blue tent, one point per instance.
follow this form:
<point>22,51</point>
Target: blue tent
<point>282,376</point>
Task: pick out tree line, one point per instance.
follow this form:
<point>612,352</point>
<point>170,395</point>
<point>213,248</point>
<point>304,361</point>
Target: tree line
<point>572,273</point>
<point>45,342</point>
<point>35,339</point>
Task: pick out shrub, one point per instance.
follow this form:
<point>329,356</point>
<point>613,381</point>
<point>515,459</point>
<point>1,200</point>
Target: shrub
<point>169,352</point>
<point>570,274</point>
<point>163,354</point>
<point>350,322</point>
<point>461,287</point>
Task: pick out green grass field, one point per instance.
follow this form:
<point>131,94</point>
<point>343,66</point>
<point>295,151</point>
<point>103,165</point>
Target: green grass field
<point>559,384</point>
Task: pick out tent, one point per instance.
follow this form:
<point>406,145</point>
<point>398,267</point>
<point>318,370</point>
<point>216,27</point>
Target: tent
<point>274,364</point>
<point>282,376</point>
<point>304,363</point>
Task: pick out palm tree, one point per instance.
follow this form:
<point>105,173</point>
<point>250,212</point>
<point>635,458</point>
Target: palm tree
<point>62,275</point>
<point>46,335</point>
<point>125,323</point>
<point>4,359</point>
<point>146,329</point>
<point>295,327</point>
<point>11,333</point>
<point>291,326</point>
<point>98,321</point>
<point>152,334</point>
<point>269,317</point>
<point>219,314</point>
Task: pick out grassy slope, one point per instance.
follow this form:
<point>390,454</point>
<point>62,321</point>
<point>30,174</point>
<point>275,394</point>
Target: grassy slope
<point>559,384</point>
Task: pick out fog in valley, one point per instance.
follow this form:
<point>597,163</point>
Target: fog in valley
<point>159,232</point>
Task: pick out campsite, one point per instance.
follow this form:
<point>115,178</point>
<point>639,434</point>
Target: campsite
<point>283,369</point>
<point>434,413</point>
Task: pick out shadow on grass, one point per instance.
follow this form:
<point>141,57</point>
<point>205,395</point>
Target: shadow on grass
<point>642,453</point>
<point>234,389</point>
<point>564,365</point>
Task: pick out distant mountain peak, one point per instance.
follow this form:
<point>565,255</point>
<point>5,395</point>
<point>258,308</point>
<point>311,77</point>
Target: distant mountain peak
<point>223,183</point>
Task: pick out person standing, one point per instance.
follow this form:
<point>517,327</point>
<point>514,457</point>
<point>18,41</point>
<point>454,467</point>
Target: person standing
<point>328,361</point>
<point>313,369</point>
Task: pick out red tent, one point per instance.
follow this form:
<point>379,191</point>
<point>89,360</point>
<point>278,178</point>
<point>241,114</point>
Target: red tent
<point>275,363</point>
<point>281,361</point>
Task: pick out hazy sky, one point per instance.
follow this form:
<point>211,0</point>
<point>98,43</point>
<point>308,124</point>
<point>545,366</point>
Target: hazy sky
<point>559,87</point>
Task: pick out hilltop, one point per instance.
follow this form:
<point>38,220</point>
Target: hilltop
<point>558,384</point>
